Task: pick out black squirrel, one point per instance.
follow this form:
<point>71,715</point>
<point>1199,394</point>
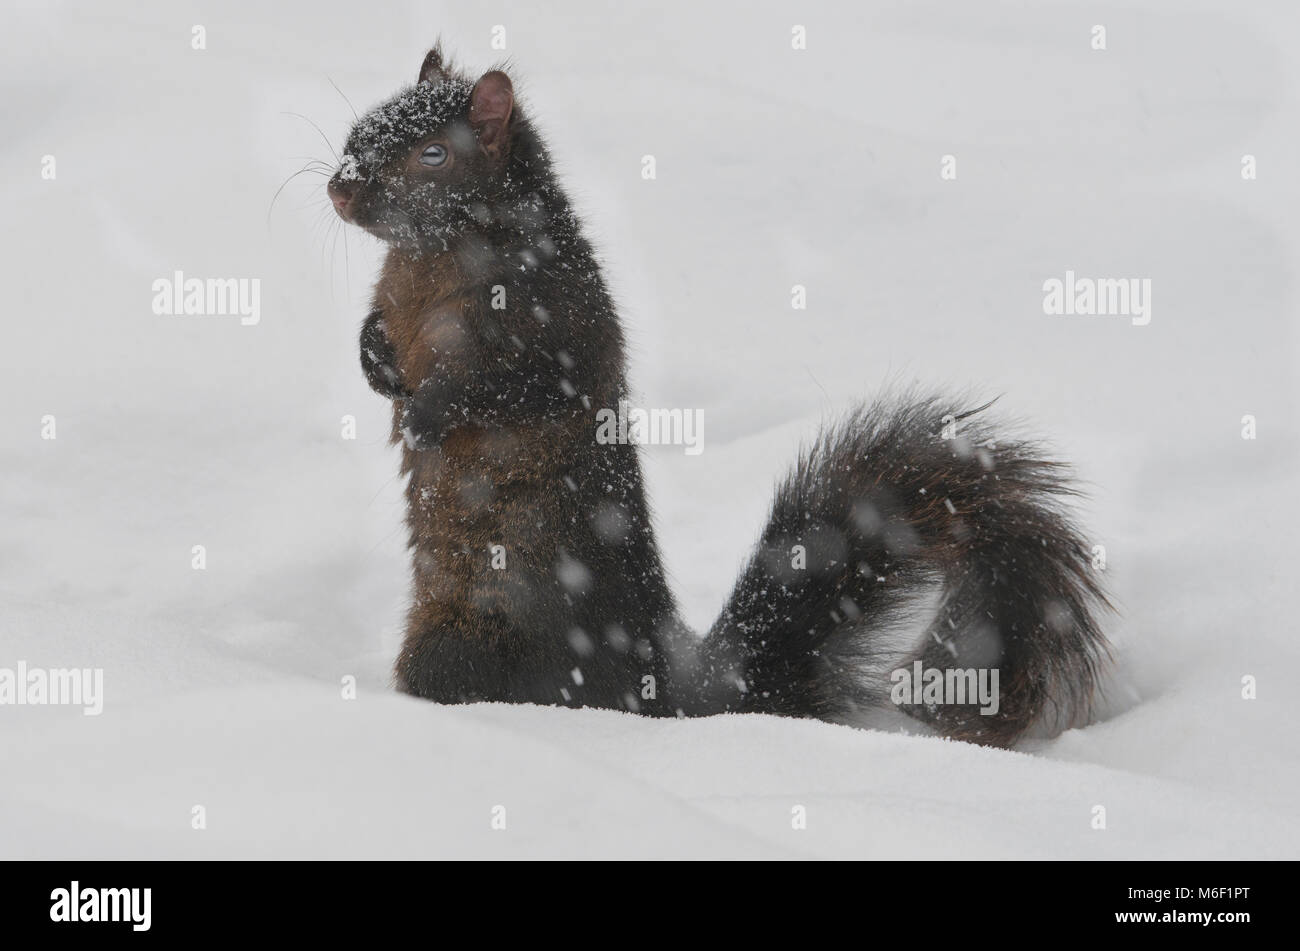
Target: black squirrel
<point>536,573</point>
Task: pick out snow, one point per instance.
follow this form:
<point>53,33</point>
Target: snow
<point>224,687</point>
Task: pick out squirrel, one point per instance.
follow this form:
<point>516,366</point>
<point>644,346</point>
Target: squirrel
<point>536,574</point>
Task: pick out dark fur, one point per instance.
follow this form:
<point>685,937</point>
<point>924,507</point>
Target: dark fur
<point>495,408</point>
<point>882,503</point>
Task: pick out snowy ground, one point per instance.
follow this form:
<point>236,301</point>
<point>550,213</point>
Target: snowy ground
<point>775,167</point>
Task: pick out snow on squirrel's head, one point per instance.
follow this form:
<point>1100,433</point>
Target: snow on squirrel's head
<point>442,158</point>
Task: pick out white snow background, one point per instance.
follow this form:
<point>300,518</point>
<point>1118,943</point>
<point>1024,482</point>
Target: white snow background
<point>775,167</point>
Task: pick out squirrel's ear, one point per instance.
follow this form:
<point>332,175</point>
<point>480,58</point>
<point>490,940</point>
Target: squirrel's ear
<point>490,106</point>
<point>431,69</point>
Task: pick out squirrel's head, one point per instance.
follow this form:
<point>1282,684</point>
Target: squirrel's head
<point>434,161</point>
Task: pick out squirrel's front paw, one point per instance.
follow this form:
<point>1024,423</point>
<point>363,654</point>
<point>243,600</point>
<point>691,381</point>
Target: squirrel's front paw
<point>378,358</point>
<point>429,413</point>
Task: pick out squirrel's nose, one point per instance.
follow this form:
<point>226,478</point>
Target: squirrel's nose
<point>341,194</point>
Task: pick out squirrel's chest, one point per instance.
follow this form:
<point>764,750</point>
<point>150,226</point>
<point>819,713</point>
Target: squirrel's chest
<point>427,317</point>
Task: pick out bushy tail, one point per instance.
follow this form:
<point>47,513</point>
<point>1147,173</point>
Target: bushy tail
<point>901,493</point>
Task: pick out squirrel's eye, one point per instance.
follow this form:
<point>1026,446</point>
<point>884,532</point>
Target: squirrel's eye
<point>434,156</point>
